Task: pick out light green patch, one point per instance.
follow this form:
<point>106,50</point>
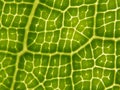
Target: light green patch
<point>82,85</point>
<point>109,16</point>
<point>109,47</point>
<point>82,11</point>
<point>80,38</point>
<point>112,4</point>
<point>110,61</point>
<point>54,60</point>
<point>97,72</point>
<point>87,74</point>
<point>87,64</point>
<point>108,77</point>
<point>97,85</point>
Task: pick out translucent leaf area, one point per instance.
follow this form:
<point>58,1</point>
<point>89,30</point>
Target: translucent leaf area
<point>59,44</point>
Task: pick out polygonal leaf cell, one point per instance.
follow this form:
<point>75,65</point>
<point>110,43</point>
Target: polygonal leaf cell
<point>97,84</point>
<point>97,47</point>
<point>7,69</point>
<point>14,18</point>
<point>98,72</point>
<point>35,69</point>
<point>107,61</point>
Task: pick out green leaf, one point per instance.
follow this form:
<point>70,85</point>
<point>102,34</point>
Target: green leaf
<point>59,44</point>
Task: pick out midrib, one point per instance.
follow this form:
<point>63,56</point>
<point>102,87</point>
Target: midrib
<point>35,4</point>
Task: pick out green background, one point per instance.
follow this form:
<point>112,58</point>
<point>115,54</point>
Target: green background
<point>59,44</point>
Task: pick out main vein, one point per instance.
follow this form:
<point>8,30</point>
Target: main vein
<point>35,4</point>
